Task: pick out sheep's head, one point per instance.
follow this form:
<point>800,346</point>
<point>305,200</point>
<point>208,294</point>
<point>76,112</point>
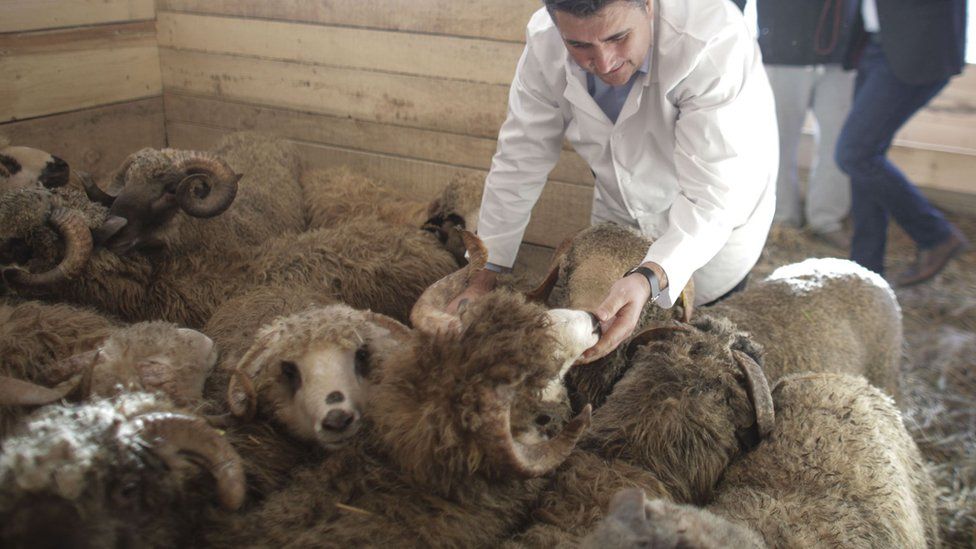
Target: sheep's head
<point>149,356</point>
<point>464,399</point>
<point>311,372</point>
<point>25,212</point>
<point>634,521</point>
<point>127,471</point>
<point>24,167</point>
<point>150,188</point>
<point>457,208</point>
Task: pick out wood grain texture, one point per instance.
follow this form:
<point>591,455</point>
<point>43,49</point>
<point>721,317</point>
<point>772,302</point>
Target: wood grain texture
<point>497,20</point>
<point>445,105</point>
<point>22,15</point>
<point>398,52</point>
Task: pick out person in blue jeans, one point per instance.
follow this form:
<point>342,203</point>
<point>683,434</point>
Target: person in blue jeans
<point>906,51</point>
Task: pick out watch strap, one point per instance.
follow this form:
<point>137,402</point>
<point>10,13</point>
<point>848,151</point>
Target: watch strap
<point>651,279</point>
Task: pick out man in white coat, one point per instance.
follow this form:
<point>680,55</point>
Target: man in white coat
<point>668,102</point>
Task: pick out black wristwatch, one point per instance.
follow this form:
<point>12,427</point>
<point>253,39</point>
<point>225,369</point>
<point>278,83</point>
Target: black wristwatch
<point>651,279</point>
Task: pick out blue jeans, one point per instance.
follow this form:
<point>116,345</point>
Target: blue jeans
<point>882,104</point>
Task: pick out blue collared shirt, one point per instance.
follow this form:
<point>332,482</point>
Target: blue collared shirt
<point>611,98</point>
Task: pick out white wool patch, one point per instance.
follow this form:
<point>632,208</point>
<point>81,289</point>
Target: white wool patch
<point>63,446</point>
<point>812,274</point>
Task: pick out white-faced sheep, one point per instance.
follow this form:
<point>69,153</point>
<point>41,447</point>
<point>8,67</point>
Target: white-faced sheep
<point>124,472</point>
<point>25,167</point>
<point>838,470</point>
<point>450,453</point>
<point>51,351</point>
<point>301,372</point>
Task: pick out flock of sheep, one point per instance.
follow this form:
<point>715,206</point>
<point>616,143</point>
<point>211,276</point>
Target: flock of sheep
<point>225,349</point>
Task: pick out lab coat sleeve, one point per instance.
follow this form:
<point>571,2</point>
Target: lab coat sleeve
<point>723,102</point>
<point>529,144</point>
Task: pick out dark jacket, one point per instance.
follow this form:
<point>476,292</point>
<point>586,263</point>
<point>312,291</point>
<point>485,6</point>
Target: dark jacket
<point>924,41</point>
<point>806,32</point>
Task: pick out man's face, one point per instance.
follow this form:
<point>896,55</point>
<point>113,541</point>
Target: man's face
<point>611,43</point>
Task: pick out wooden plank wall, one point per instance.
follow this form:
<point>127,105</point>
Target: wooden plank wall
<point>413,92</point>
<point>81,79</point>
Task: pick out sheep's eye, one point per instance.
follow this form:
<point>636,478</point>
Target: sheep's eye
<point>290,374</point>
<point>362,361</point>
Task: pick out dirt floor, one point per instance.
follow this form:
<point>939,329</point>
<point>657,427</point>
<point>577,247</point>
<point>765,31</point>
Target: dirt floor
<point>939,364</point>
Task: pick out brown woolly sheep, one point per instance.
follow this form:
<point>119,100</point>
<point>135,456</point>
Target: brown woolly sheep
<point>822,315</point>
<point>52,351</point>
<point>838,470</point>
<point>444,462</point>
<point>124,472</point>
<point>152,186</point>
<point>339,195</point>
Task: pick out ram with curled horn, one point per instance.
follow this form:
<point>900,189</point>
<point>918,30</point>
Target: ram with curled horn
<point>112,473</point>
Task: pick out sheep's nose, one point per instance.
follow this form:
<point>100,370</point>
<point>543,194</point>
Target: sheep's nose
<point>596,325</point>
<point>337,421</point>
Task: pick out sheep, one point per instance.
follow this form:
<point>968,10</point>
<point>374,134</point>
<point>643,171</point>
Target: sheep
<point>129,471</point>
<point>445,462</point>
<point>301,369</point>
<point>839,470</point>
<point>338,195</point>
<point>55,350</point>
<point>26,167</point>
<point>152,186</point>
<point>822,315</point>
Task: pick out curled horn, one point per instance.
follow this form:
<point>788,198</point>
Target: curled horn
<point>428,313</point>
<point>107,197</point>
<point>17,392</point>
<point>77,251</point>
<point>525,460</point>
<point>396,329</point>
<point>242,399</point>
<point>209,186</point>
<point>758,389</point>
<point>191,435</point>
<point>66,369</point>
<point>541,293</point>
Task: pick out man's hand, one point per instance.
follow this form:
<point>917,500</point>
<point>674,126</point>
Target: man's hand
<point>621,310</point>
<point>481,283</point>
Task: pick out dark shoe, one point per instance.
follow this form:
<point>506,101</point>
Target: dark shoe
<point>930,262</point>
<point>838,239</point>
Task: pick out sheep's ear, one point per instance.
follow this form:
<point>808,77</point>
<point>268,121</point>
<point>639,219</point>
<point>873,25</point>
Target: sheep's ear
<point>433,207</point>
<point>17,392</point>
<point>398,331</point>
<point>242,400</point>
<point>541,293</point>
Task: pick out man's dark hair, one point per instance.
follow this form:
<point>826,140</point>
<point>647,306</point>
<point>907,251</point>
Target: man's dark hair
<point>583,8</point>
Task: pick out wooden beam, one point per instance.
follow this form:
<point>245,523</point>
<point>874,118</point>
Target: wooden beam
<point>38,85</point>
<point>416,143</point>
<point>95,140</point>
<point>562,209</point>
<point>21,15</point>
<point>123,35</point>
<point>496,20</point>
<point>399,52</point>
<point>467,108</point>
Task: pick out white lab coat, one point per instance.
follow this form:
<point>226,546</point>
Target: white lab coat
<point>693,154</point>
